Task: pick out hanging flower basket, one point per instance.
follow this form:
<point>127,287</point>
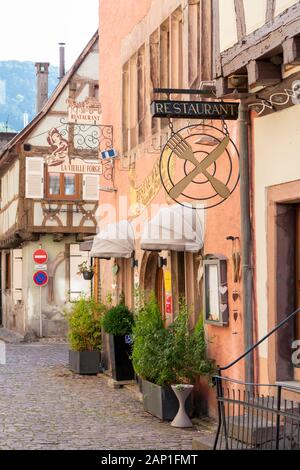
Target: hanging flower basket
<point>86,270</point>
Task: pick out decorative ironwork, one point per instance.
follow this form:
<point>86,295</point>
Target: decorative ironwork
<point>203,177</point>
<point>88,136</point>
<point>251,419</point>
<point>257,416</point>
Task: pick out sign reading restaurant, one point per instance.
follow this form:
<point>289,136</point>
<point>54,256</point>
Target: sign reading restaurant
<point>195,109</point>
<point>85,112</point>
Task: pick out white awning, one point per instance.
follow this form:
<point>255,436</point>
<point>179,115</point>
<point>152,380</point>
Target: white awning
<point>114,241</point>
<point>174,228</point>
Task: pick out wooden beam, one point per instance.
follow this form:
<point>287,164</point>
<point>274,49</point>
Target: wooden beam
<point>291,51</point>
<point>263,73</point>
<point>240,19</point>
<point>270,10</point>
<point>264,40</point>
<point>216,56</point>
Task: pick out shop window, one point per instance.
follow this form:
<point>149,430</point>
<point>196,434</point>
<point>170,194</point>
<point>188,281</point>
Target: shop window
<point>216,291</point>
<point>62,186</point>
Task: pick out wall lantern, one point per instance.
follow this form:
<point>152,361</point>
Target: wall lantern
<point>216,310</point>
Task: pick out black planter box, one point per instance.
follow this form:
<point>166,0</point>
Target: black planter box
<point>84,362</point>
<point>121,364</point>
<point>162,401</point>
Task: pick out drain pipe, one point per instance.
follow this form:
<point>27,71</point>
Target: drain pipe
<point>247,269</point>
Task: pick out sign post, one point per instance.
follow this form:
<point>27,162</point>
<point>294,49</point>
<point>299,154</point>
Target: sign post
<point>40,277</point>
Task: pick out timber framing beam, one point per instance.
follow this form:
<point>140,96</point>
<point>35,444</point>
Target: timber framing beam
<point>291,51</point>
<point>263,73</point>
<point>266,39</point>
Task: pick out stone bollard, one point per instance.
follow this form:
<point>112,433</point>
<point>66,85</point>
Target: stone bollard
<point>2,353</point>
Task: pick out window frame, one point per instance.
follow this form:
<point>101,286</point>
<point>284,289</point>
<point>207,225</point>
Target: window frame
<point>61,194</point>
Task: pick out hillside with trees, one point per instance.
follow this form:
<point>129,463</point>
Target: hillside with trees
<point>18,92</point>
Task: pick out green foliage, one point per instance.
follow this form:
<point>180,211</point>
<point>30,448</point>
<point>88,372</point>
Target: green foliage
<point>170,355</point>
<point>85,267</point>
<point>84,321</point>
<point>118,320</point>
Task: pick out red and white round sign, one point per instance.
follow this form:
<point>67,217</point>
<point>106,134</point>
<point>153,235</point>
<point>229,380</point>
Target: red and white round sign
<point>40,256</point>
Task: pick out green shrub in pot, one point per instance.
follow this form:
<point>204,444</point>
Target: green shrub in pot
<point>84,320</point>
<point>118,323</point>
<point>166,356</point>
<point>118,320</point>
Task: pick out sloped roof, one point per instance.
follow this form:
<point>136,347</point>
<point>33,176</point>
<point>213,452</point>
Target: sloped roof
<point>58,90</point>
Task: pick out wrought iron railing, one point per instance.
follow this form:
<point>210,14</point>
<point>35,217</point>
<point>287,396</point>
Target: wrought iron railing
<point>257,416</point>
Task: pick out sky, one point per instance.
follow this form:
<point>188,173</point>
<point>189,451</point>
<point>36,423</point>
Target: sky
<point>32,29</point>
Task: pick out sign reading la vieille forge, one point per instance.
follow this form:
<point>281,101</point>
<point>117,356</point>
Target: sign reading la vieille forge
<point>195,109</point>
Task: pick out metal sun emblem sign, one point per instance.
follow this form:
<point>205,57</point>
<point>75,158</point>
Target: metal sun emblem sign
<point>202,166</point>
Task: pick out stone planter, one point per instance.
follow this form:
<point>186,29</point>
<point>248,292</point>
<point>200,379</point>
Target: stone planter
<point>182,393</point>
<point>121,364</point>
<point>161,401</point>
<point>84,362</point>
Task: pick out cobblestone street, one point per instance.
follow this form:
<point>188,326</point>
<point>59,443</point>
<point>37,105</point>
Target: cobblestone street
<point>44,406</point>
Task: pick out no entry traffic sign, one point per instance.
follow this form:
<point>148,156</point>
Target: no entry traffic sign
<point>40,256</point>
<point>40,278</point>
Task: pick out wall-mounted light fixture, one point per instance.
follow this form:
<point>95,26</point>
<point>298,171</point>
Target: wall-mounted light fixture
<point>162,262</point>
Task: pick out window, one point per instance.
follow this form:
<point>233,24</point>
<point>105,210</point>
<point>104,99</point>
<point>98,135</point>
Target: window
<point>62,186</point>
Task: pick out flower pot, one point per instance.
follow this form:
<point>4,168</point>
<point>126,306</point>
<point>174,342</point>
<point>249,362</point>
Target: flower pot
<point>182,393</point>
<point>161,401</point>
<point>84,362</point>
<point>88,275</point>
<point>120,352</point>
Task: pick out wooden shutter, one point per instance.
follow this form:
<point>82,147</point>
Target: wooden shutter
<point>34,177</point>
<point>17,287</point>
<point>91,187</point>
<point>78,286</point>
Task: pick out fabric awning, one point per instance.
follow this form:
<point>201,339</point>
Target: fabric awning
<point>114,241</point>
<point>174,228</point>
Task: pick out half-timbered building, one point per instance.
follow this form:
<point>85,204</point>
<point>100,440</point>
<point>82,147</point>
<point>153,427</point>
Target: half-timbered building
<point>49,197</point>
<point>257,59</point>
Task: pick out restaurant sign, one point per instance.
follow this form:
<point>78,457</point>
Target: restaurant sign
<point>85,112</point>
<point>195,109</point>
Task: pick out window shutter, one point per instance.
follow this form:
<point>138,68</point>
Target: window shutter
<point>17,275</point>
<point>91,187</point>
<point>34,177</point>
<point>78,286</point>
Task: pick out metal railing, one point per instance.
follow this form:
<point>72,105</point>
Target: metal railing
<point>257,416</point>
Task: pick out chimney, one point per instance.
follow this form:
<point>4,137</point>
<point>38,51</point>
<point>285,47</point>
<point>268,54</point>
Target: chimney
<point>42,75</point>
<point>62,70</point>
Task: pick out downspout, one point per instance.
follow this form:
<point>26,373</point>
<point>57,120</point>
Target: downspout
<point>247,271</point>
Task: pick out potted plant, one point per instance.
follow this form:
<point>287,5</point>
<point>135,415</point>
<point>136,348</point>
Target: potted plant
<point>84,320</point>
<point>163,357</point>
<point>118,322</point>
<point>86,270</point>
